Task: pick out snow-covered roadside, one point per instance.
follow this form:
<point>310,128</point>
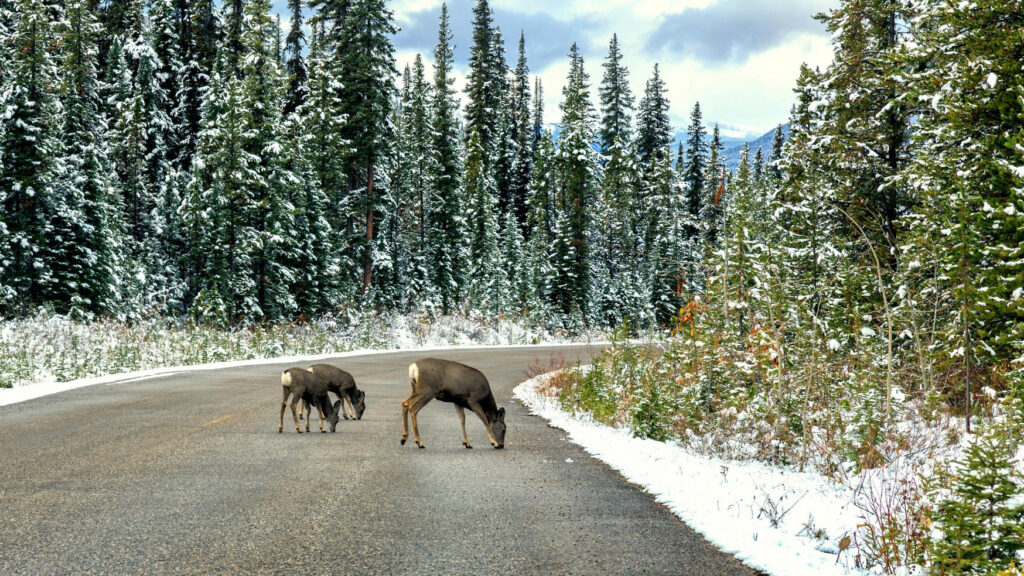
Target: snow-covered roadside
<point>763,515</point>
<point>37,390</point>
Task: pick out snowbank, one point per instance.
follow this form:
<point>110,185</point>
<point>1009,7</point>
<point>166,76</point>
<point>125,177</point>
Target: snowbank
<point>767,517</point>
<point>31,391</point>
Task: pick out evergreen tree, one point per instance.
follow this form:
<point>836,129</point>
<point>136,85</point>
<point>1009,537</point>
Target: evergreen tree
<point>522,139</point>
<point>30,169</point>
<point>714,196</point>
<point>271,216</point>
<point>577,166</point>
<point>696,164</point>
<point>445,224</point>
<point>866,126</point>
<point>616,101</point>
<point>486,273</point>
<point>321,123</point>
<point>234,26</point>
<point>86,240</point>
<point>982,520</point>
<point>411,182</point>
<point>620,245</point>
<point>543,182</point>
<point>366,77</point>
<point>295,69</point>
<point>485,81</point>
<point>963,251</point>
<point>221,206</point>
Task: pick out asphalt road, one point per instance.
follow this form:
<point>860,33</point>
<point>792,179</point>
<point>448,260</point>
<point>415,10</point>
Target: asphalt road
<point>187,474</point>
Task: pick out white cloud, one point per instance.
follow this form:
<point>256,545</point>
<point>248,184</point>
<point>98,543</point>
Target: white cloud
<point>754,92</point>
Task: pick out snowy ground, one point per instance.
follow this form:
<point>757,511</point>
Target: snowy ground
<point>763,515</point>
<point>40,389</point>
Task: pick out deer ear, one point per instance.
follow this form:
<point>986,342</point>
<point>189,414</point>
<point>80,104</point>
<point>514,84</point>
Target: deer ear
<point>501,414</point>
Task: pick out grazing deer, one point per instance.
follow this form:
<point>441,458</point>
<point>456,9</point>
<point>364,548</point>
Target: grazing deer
<point>456,383</point>
<point>302,384</point>
<point>343,385</point>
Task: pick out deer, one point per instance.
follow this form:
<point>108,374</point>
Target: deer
<point>303,384</point>
<point>343,385</point>
<point>459,384</point>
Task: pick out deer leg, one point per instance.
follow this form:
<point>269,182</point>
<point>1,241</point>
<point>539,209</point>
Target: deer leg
<point>462,422</point>
<point>296,418</point>
<point>320,410</point>
<point>414,408</point>
<point>405,420</point>
<point>483,418</point>
<point>301,408</point>
<point>284,402</point>
<point>351,406</point>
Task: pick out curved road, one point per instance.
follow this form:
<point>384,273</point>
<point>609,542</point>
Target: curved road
<point>186,474</point>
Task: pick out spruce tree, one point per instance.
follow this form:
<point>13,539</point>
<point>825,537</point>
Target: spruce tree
<point>981,520</point>
<point>963,249</point>
<point>577,167</point>
<point>295,69</point>
<point>522,136</point>
<point>445,239</point>
<point>90,267</point>
<point>321,123</point>
<point>696,164</point>
<point>366,77</point>
<point>30,169</point>
<point>621,242</point>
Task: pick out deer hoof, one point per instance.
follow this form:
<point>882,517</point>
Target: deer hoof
<point>403,442</point>
<point>499,447</point>
<point>466,444</point>
<point>421,446</point>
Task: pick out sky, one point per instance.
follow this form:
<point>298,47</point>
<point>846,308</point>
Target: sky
<point>738,58</point>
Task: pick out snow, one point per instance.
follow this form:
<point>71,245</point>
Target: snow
<point>32,391</point>
<point>763,515</point>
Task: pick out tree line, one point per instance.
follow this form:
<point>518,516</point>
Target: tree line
<point>171,157</point>
<point>188,158</point>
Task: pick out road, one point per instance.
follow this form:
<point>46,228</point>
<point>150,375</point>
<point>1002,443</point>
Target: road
<point>187,474</point>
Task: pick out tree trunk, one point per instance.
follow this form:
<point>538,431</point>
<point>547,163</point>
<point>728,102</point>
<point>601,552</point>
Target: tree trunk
<point>368,256</point>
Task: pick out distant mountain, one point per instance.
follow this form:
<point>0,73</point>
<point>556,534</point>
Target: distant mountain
<point>733,144</point>
<point>732,153</point>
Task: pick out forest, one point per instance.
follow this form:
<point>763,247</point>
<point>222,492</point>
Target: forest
<point>189,159</point>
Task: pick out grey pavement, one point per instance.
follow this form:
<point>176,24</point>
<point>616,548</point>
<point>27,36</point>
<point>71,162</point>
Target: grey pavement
<point>187,474</point>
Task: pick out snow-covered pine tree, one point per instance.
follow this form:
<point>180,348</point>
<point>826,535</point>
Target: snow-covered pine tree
<point>411,184</point>
<point>620,245</point>
<point>522,139</point>
<point>140,127</point>
<point>233,17</point>
<point>484,83</point>
<point>87,237</point>
<point>487,275</point>
<point>367,87</point>
<point>320,121</point>
<point>503,153</point>
<point>543,182</point>
<point>445,236</point>
<point>962,255</point>
<point>7,26</point>
<point>271,219</point>
<point>295,68</point>
<point>663,253</point>
<point>197,37</point>
<point>577,169</point>
<point>714,199</point>
<point>30,169</point>
<point>220,206</point>
<point>866,125</point>
<point>696,161</point>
